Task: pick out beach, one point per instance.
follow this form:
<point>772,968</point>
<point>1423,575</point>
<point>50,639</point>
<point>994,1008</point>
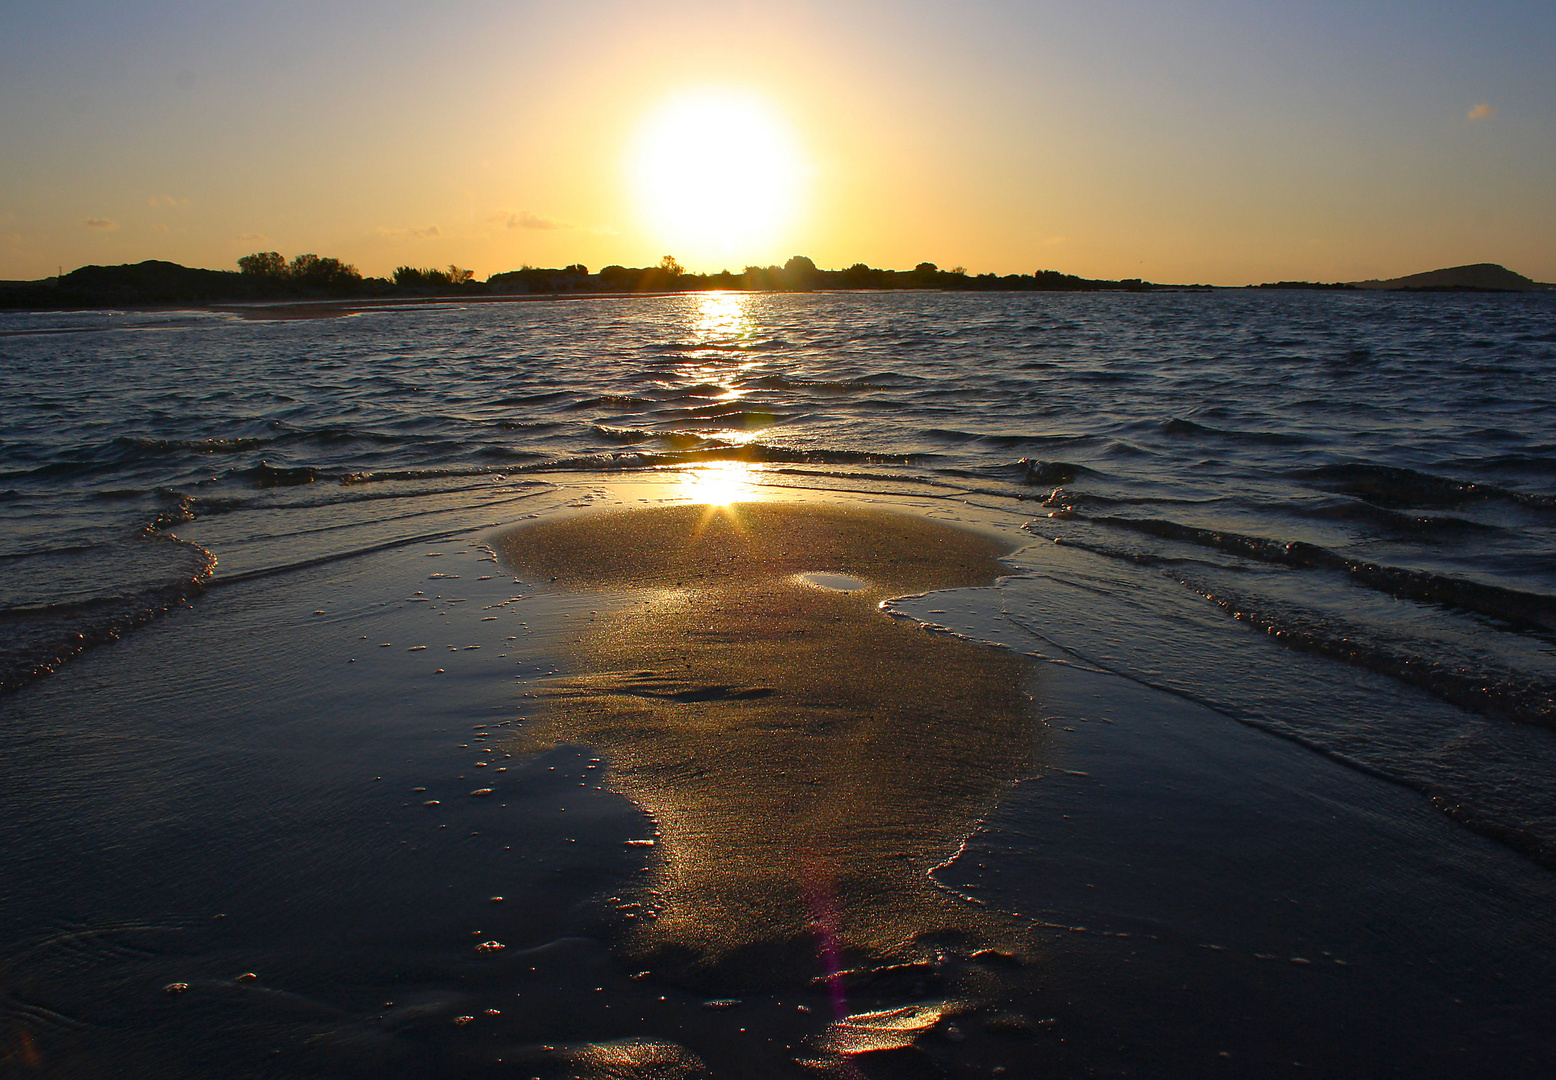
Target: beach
<point>658,705</point>
<point>737,821</point>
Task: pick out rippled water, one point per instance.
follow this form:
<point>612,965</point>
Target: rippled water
<point>1329,516</point>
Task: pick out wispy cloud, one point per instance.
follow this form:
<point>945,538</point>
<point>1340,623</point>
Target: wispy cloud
<point>166,200</point>
<point>254,238</point>
<point>159,228</point>
<point>1480,112</point>
<point>526,219</point>
<point>424,233</point>
<point>106,224</point>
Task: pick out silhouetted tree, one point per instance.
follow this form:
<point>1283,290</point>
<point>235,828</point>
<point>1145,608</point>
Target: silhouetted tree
<point>263,263</point>
<point>799,272</point>
<point>313,272</point>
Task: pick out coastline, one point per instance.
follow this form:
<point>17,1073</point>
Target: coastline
<point>1147,886</point>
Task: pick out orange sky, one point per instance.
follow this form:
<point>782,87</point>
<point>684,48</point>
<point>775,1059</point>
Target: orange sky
<point>1192,141</point>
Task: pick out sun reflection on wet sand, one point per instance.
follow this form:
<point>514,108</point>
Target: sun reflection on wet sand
<point>808,758</point>
<point>721,484</point>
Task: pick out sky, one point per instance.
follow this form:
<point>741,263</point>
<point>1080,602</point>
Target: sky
<point>1184,141</point>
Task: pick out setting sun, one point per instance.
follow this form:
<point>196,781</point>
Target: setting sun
<point>717,174</point>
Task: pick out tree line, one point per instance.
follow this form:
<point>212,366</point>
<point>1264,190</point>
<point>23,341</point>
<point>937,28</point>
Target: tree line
<point>268,275</point>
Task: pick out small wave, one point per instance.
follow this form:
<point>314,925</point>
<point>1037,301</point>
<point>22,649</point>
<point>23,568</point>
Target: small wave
<point>737,412</point>
<point>35,639</point>
<point>534,399</point>
<point>1050,472</point>
<point>527,425</point>
<point>957,437</point>
<point>694,391</point>
<point>1181,428</point>
<point>1479,688</point>
<point>619,402</point>
<point>1353,510</point>
<point>1508,605</point>
<point>198,446</point>
<point>879,381</point>
<point>755,453</point>
<point>266,475</point>
<point>1397,488</point>
<point>621,435</point>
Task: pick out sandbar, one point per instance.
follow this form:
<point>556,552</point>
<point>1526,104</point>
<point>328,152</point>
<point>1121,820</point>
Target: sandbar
<point>808,758</point>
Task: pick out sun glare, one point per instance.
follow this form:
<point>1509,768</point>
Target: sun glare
<point>721,484</point>
<point>717,175</point>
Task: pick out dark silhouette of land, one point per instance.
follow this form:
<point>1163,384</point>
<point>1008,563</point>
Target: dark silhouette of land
<point>266,278</point>
<point>1476,277</point>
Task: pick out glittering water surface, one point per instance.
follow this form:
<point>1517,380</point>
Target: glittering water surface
<point>1325,516</point>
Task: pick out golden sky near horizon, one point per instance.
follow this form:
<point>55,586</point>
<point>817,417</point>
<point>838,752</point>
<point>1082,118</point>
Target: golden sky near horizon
<point>1194,141</point>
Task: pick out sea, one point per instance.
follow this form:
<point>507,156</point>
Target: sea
<point>1326,519</point>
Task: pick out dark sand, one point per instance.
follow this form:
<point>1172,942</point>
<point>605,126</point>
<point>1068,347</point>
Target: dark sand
<point>313,777</point>
<point>807,757</point>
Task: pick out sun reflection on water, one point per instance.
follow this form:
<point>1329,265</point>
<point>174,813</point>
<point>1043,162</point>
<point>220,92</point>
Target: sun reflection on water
<point>722,317</point>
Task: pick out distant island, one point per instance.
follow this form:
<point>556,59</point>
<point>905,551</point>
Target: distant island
<point>268,278</point>
<point>1476,277</point>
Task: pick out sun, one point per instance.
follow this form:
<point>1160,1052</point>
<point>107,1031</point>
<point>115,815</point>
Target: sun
<point>717,175</point>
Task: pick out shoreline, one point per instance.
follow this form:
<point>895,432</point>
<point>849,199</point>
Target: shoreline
<point>1120,882</point>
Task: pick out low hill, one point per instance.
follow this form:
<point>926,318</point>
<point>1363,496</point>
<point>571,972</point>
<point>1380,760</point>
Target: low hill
<point>1476,277</point>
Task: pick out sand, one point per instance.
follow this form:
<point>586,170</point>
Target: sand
<point>873,850</point>
<point>807,757</point>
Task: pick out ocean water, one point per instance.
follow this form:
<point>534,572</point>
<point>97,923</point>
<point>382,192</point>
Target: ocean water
<point>1326,518</point>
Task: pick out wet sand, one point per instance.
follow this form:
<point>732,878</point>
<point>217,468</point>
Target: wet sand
<point>807,757</point>
<point>873,854</point>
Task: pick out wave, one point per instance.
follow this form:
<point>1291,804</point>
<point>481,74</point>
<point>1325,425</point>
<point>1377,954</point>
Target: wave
<point>1399,488</point>
<point>1354,510</point>
<point>199,446</point>
<point>36,638</point>
<point>1181,428</point>
<point>1050,472</point>
<point>1480,688</point>
<point>1526,609</point>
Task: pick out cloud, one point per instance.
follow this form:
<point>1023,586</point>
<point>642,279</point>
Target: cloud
<point>166,200</point>
<point>103,223</point>
<point>419,234</point>
<point>254,238</point>
<point>526,219</point>
<point>1480,112</point>
<point>159,228</point>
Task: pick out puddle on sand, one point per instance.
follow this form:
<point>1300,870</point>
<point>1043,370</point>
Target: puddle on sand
<point>825,579</point>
